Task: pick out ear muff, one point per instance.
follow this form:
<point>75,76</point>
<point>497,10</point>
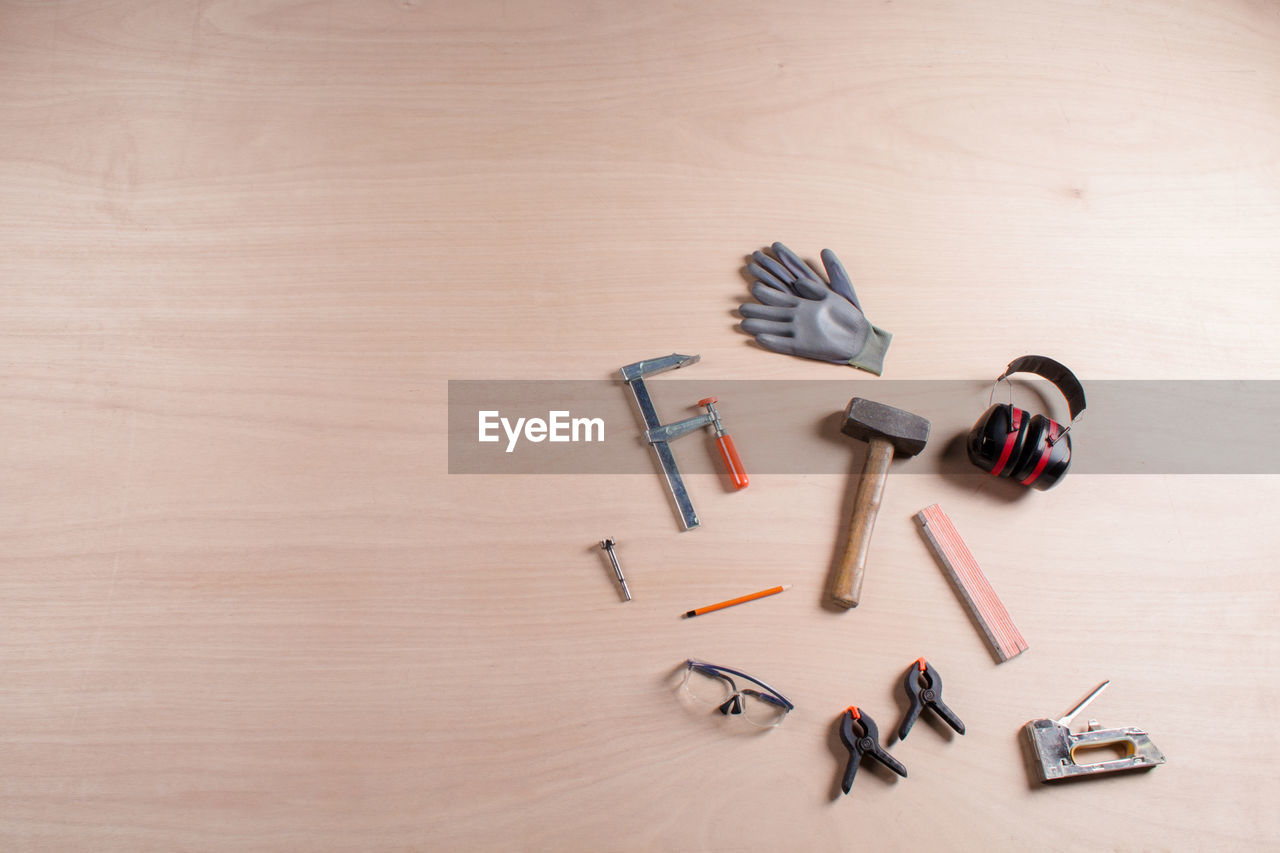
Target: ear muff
<point>1033,450</point>
<point>1048,454</point>
<point>996,440</point>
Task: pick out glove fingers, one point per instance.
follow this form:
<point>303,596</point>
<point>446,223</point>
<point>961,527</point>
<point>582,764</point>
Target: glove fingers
<point>777,343</point>
<point>769,271</point>
<point>776,270</point>
<point>792,262</point>
<point>810,289</point>
<point>767,295</point>
<point>756,327</point>
<point>768,279</point>
<point>840,281</point>
<point>766,312</point>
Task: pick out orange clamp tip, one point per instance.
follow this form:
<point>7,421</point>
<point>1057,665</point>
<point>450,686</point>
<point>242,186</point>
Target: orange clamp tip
<point>921,664</point>
<point>708,400</point>
<point>853,709</point>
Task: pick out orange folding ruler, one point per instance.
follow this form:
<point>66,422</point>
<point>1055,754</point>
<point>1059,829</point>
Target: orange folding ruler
<point>1005,638</point>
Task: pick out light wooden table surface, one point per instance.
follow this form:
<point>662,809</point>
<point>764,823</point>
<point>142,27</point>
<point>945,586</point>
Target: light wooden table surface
<point>245,245</point>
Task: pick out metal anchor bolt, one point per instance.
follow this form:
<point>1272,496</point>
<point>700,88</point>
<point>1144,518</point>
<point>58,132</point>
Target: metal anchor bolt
<point>607,545</point>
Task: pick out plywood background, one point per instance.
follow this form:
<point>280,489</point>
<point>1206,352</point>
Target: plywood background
<point>245,245</point>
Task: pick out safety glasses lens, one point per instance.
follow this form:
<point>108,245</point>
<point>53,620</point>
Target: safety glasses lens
<point>761,709</point>
<point>707,687</point>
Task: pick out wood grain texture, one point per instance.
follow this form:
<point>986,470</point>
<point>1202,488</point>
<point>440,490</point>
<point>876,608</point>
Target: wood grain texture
<point>244,246</point>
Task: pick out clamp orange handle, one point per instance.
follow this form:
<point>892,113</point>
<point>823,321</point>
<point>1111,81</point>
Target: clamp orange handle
<point>732,462</point>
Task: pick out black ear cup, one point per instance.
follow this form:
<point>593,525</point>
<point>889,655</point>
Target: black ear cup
<point>1031,450</point>
<point>1045,455</point>
<point>997,438</point>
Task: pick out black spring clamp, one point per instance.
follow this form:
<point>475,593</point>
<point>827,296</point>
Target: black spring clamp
<point>866,743</point>
<point>924,690</point>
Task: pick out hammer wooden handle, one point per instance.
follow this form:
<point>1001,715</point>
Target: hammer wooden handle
<point>847,586</point>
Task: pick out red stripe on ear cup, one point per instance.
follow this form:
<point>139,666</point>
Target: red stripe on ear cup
<point>1015,425</point>
<point>1044,455</point>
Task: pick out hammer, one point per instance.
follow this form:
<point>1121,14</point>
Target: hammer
<point>887,431</point>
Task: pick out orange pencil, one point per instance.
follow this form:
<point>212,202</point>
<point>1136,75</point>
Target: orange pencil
<point>752,597</point>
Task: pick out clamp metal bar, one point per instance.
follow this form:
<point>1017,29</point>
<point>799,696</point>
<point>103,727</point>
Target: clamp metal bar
<point>670,432</point>
<point>675,483</point>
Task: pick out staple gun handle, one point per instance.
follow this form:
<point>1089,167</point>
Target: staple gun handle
<point>1085,741</point>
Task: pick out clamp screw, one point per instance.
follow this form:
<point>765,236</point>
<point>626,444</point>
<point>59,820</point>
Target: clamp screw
<point>709,404</point>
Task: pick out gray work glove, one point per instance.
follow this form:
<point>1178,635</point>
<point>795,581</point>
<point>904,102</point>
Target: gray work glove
<point>801,313</point>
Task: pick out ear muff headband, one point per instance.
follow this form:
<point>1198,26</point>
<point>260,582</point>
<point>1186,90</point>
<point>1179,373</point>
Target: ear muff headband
<point>1057,374</point>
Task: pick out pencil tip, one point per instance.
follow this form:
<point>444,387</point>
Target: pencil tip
<point>691,614</point>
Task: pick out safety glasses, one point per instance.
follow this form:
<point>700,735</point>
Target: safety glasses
<point>733,692</point>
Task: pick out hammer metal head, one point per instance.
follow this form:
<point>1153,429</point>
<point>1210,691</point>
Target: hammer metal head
<point>866,420</point>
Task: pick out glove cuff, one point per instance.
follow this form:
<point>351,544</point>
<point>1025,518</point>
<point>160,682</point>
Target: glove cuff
<point>871,357</point>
